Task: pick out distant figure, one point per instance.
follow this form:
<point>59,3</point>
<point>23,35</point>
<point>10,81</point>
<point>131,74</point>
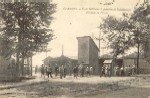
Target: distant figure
<point>61,71</point>
<point>80,70</point>
<point>65,72</point>
<point>87,71</point>
<point>109,73</point>
<point>56,71</point>
<point>133,70</point>
<point>129,70</point>
<point>118,71</point>
<point>91,71</point>
<point>103,72</point>
<point>122,71</point>
<point>75,72</point>
<point>106,71</point>
<point>115,71</point>
<point>49,71</point>
<point>42,70</point>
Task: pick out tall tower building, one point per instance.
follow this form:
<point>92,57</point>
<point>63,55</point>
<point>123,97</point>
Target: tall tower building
<point>88,52</point>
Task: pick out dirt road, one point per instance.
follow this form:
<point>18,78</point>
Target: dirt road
<point>91,87</point>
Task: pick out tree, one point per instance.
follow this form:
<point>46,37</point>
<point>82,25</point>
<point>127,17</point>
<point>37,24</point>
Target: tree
<point>117,34</point>
<point>140,27</point>
<point>129,31</point>
<point>25,28</point>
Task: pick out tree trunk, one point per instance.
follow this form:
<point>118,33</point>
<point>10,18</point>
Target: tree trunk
<point>17,72</point>
<point>138,56</point>
<point>22,65</point>
<point>114,62</point>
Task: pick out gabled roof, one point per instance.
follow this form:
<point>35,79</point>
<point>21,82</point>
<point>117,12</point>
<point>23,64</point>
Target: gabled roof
<point>47,58</point>
<point>62,57</point>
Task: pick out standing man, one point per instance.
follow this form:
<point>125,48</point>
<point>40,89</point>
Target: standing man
<point>56,70</point>
<point>75,72</point>
<point>65,72</point>
<point>103,71</point>
<point>42,70</point>
<point>49,71</point>
<point>122,71</point>
<point>61,71</point>
<point>91,70</point>
<point>133,69</point>
<point>87,71</point>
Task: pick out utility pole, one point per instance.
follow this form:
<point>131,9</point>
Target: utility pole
<point>99,42</point>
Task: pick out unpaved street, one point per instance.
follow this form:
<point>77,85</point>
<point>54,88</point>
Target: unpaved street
<point>87,87</point>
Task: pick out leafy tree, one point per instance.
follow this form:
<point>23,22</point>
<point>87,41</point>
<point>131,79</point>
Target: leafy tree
<point>25,28</point>
<point>129,31</point>
<point>117,34</point>
<point>140,27</point>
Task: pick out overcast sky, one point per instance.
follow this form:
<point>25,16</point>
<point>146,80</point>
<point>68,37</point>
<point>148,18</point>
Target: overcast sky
<point>73,18</point>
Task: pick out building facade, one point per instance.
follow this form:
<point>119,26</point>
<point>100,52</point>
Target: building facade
<point>67,62</point>
<point>88,53</point>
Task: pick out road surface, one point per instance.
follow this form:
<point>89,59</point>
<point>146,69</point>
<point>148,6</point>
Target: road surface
<point>87,87</point>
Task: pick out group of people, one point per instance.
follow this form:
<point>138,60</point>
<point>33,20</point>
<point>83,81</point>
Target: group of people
<point>49,71</point>
<point>81,71</point>
<point>105,71</point>
<point>118,71</point>
<point>78,71</point>
<point>46,70</point>
<point>125,71</point>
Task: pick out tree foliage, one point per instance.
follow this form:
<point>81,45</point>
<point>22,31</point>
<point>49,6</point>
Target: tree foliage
<point>140,22</point>
<point>117,34</point>
<point>129,31</point>
<point>25,26</point>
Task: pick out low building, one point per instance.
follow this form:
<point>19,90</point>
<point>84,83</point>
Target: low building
<point>129,60</point>
<point>58,61</point>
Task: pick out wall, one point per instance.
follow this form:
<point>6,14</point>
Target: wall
<point>93,56</point>
<point>83,50</point>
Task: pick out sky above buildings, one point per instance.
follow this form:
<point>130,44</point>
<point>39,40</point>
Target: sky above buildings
<point>77,18</point>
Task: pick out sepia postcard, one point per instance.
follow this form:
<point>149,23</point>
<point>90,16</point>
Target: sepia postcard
<point>74,49</point>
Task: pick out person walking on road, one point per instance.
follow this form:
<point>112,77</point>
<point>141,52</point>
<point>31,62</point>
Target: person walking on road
<point>103,72</point>
<point>91,71</point>
<point>121,71</point>
<point>75,72</point>
<point>133,70</point>
<point>87,71</point>
<point>61,71</point>
<point>56,71</point>
<point>65,72</point>
<point>49,71</point>
<point>42,70</point>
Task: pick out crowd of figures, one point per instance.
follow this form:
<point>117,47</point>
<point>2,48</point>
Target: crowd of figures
<point>86,71</point>
<point>81,71</point>
<point>78,71</point>
<point>118,71</point>
<point>105,71</point>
